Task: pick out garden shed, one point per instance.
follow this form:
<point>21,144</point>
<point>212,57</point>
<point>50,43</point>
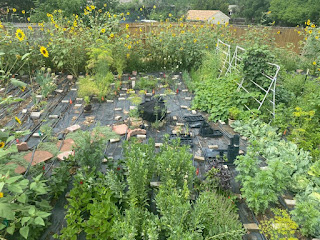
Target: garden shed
<point>209,16</point>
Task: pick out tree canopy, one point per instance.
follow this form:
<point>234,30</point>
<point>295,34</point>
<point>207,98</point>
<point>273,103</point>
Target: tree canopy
<point>294,12</point>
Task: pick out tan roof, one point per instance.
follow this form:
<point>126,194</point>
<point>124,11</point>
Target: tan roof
<point>201,15</point>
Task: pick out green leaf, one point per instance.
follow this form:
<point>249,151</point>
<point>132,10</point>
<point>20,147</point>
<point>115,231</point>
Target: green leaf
<point>11,229</point>
<point>24,220</point>
<point>15,188</point>
<point>39,221</point>
<point>25,56</point>
<point>2,226</point>
<point>1,186</point>
<point>4,135</point>
<point>32,210</point>
<point>17,83</point>
<point>43,214</point>
<point>10,139</point>
<point>24,231</point>
<point>13,179</point>
<point>6,211</point>
<point>22,198</point>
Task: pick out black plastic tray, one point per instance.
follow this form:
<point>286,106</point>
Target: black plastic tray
<point>196,118</point>
<point>184,139</point>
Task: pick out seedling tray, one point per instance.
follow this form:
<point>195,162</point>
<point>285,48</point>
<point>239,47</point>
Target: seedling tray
<point>190,119</point>
<point>207,131</point>
<point>184,139</point>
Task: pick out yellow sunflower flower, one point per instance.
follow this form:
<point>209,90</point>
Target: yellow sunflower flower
<point>14,10</point>
<point>20,34</point>
<point>23,12</point>
<point>111,35</point>
<point>2,144</point>
<point>128,13</point>
<point>129,47</point>
<point>314,63</point>
<point>103,30</point>
<point>30,28</point>
<point>44,51</point>
<point>18,120</point>
<point>1,193</point>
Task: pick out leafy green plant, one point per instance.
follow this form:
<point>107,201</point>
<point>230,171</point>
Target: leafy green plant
<point>283,160</point>
<point>22,208</point>
<point>91,208</point>
<point>46,82</point>
<point>60,178</point>
<point>306,214</point>
<point>88,149</point>
<point>281,226</point>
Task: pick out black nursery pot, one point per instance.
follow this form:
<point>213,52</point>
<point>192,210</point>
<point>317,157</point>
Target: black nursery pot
<point>88,107</point>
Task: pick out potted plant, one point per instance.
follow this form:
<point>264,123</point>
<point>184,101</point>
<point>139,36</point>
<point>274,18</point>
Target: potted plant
<point>88,105</point>
<point>234,113</point>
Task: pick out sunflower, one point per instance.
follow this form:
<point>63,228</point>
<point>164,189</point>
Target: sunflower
<point>44,51</point>
<point>2,144</point>
<point>20,34</point>
<point>30,28</point>
<point>17,120</point>
<point>103,30</point>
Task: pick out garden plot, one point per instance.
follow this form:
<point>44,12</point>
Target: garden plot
<point>69,110</point>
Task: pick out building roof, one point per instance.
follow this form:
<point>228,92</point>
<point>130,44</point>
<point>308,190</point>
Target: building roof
<point>202,15</point>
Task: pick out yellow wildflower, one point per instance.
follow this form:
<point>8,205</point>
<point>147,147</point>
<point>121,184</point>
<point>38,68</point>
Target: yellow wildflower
<point>314,63</point>
<point>2,144</point>
<point>23,12</point>
<point>154,7</point>
<point>111,35</point>
<point>103,30</point>
<point>128,13</point>
<point>1,193</point>
<point>127,26</point>
<point>28,19</point>
<point>44,51</point>
<point>92,7</point>
<point>105,5</point>
<point>170,15</point>
<point>20,34</point>
<point>18,120</point>
<point>30,28</point>
<point>14,10</point>
<point>194,40</point>
<point>129,47</point>
<point>310,31</point>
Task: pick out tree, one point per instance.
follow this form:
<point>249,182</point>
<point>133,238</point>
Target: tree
<point>252,10</point>
<point>294,12</point>
<point>221,5</point>
<point>17,4</point>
